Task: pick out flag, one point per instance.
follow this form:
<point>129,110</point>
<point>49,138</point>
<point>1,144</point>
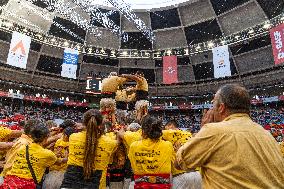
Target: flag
<point>70,61</point>
<point>170,69</point>
<point>277,41</point>
<point>221,61</point>
<point>19,50</point>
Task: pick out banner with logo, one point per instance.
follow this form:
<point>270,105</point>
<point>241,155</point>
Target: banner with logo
<point>19,50</point>
<point>170,74</point>
<point>277,41</point>
<point>221,61</point>
<point>70,61</point>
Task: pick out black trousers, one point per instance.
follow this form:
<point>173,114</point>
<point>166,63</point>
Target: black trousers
<point>74,179</point>
<point>141,95</point>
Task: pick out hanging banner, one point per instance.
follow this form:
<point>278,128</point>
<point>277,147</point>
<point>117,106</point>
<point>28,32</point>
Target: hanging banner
<point>19,50</point>
<point>70,61</point>
<point>170,74</point>
<point>221,61</point>
<point>277,41</point>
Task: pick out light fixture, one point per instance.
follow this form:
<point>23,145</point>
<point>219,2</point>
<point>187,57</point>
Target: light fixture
<point>251,31</point>
<point>124,53</point>
<point>267,26</point>
<point>66,43</point>
<point>237,37</point>
<point>210,44</point>
<point>169,52</point>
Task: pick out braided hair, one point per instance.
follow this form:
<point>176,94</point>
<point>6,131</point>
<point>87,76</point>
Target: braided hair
<point>92,120</point>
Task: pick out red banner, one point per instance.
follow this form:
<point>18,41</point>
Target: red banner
<point>170,69</point>
<point>277,41</point>
<point>38,99</point>
<point>3,94</point>
<point>281,98</point>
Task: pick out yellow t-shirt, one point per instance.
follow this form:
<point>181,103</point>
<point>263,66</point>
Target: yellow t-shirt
<point>105,149</point>
<point>121,96</point>
<point>176,136</point>
<point>112,135</point>
<point>4,132</point>
<point>151,157</point>
<point>130,137</point>
<point>61,147</point>
<point>11,154</point>
<point>40,159</point>
<point>142,84</point>
<point>112,83</point>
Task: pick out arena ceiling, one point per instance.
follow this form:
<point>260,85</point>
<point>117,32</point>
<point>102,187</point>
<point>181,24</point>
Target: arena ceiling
<point>174,26</point>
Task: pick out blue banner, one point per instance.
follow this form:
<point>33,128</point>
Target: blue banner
<point>70,61</point>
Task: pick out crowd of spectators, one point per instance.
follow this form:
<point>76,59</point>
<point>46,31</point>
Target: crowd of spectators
<point>35,112</point>
<point>271,118</point>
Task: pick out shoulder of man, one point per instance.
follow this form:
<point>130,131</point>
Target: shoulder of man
<point>213,128</point>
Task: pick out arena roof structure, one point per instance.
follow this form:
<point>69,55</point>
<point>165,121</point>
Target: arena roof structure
<point>136,36</point>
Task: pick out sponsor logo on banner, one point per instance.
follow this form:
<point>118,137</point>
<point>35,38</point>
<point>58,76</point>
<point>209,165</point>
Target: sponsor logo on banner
<point>170,69</point>
<point>221,61</point>
<point>19,50</point>
<point>277,41</point>
<point>14,95</point>
<point>270,99</point>
<point>70,61</point>
<point>171,107</point>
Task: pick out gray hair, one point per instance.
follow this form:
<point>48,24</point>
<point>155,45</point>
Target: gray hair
<point>235,98</point>
<point>134,127</point>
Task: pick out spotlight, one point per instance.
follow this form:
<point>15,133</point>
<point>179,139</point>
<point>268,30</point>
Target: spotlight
<point>210,44</point>
<point>251,31</point>
<point>124,53</point>
<point>267,26</point>
<point>66,43</point>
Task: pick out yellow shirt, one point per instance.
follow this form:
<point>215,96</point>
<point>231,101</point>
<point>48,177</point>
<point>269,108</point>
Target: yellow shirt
<point>234,153</point>
<point>40,159</point>
<point>142,84</point>
<point>112,83</point>
<point>106,147</point>
<point>130,137</point>
<point>112,135</point>
<point>282,148</point>
<point>176,136</point>
<point>11,154</point>
<point>61,147</point>
<point>121,96</point>
<point>4,132</point>
<point>151,157</point>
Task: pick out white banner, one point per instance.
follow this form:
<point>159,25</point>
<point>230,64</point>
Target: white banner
<point>70,61</point>
<point>19,50</point>
<point>221,61</point>
<point>14,95</point>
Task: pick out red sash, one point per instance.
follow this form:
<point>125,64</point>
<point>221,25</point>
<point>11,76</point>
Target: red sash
<point>152,181</point>
<point>14,182</point>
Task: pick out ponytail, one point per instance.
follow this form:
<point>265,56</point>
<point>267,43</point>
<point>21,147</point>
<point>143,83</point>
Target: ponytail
<point>152,127</point>
<point>92,122</point>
